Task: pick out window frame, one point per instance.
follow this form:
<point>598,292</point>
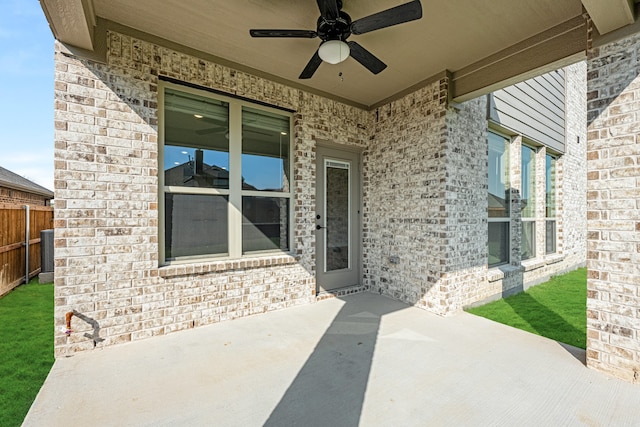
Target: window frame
<point>506,219</point>
<point>235,193</point>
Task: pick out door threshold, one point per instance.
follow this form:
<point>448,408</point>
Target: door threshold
<point>341,292</point>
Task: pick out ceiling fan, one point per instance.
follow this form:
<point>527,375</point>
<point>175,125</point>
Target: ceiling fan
<point>219,126</point>
<point>335,26</point>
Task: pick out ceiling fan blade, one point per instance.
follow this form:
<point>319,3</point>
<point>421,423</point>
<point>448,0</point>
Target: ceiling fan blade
<point>308,34</point>
<point>208,131</point>
<point>394,16</point>
<point>366,58</point>
<point>311,67</point>
<point>329,9</point>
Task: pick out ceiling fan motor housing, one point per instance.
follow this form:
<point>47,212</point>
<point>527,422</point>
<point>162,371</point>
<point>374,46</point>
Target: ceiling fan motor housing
<point>338,29</point>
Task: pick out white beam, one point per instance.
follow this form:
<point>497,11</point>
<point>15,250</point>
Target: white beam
<point>610,15</point>
<point>71,21</point>
<point>556,47</point>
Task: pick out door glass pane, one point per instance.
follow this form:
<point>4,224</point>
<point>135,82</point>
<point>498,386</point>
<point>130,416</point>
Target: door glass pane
<point>265,223</point>
<point>265,151</point>
<point>338,227</point>
<point>195,225</point>
<point>196,151</point>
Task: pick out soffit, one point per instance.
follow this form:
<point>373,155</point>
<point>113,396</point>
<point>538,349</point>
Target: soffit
<point>452,35</point>
<point>610,15</point>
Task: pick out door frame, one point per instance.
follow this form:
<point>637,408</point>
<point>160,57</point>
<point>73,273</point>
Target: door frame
<point>356,194</point>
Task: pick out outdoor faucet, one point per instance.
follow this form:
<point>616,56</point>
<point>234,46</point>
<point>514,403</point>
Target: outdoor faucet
<point>68,317</point>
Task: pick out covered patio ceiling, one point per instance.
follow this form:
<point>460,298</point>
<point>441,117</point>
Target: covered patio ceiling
<point>482,44</point>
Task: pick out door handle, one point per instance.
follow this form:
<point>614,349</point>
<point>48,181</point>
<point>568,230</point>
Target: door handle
<point>319,227</point>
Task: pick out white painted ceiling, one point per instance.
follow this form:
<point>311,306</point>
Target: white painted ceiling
<point>451,35</point>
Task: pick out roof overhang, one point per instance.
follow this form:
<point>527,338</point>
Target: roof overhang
<point>71,21</point>
<point>610,15</point>
<point>482,45</point>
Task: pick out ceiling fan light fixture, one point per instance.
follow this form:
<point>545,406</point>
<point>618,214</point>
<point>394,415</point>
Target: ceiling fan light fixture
<point>334,51</point>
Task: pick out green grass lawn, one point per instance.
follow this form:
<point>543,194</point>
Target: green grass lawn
<point>26,348</point>
<point>555,309</point>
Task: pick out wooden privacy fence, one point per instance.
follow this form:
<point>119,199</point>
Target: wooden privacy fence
<point>14,255</point>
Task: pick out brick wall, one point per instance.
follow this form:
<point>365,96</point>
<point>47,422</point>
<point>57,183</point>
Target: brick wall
<point>106,179</point>
<point>571,170</point>
<point>404,185</point>
<point>11,196</point>
<point>465,225</point>
<point>613,216</point>
<point>424,200</point>
<point>425,229</point>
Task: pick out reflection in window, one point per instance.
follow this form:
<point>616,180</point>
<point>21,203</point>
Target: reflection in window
<point>196,152</point>
<point>550,205</point>
<point>265,223</point>
<point>528,239</point>
<point>337,216</point>
<point>550,173</point>
<point>265,151</point>
<point>201,168</point>
<point>498,176</point>
<point>498,200</point>
<point>205,179</point>
<point>528,195</point>
<point>550,237</point>
<point>498,243</point>
<point>528,202</point>
<point>195,225</point>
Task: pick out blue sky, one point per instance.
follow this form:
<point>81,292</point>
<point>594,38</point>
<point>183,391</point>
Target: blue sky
<point>26,98</point>
<point>26,91</point>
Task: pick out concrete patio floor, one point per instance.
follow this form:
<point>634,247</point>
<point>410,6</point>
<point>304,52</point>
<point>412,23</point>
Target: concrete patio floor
<point>360,360</point>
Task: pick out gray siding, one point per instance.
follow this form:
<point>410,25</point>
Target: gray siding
<point>533,108</point>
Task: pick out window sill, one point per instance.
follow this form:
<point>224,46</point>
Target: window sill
<point>500,272</point>
<point>217,266</point>
<point>533,264</point>
<point>554,258</point>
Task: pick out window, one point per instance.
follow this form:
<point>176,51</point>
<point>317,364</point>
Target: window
<point>265,162</point>
<point>498,200</point>
<point>226,180</point>
<point>528,202</point>
<point>550,205</point>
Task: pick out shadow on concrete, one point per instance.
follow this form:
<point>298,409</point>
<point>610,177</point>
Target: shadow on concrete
<point>329,390</point>
<point>546,322</point>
